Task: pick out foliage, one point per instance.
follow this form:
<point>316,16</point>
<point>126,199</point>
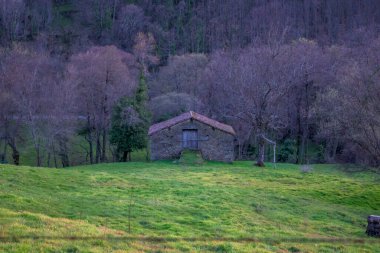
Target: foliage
<point>99,78</point>
<point>182,74</point>
<point>181,26</point>
<point>210,201</point>
<point>172,104</point>
<point>287,152</point>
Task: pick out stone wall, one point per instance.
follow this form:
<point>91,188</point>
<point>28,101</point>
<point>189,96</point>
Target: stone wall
<point>213,143</point>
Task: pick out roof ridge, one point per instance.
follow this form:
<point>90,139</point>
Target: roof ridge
<point>190,115</point>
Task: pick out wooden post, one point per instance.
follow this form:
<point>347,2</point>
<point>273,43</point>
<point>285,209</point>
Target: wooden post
<point>373,227</point>
<point>274,148</point>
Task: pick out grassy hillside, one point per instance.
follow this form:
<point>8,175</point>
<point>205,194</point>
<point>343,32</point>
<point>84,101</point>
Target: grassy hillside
<point>211,207</point>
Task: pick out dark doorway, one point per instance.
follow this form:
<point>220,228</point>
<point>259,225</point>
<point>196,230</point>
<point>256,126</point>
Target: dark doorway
<point>190,138</point>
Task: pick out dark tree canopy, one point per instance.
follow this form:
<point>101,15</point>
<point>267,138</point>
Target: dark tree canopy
<point>130,122</point>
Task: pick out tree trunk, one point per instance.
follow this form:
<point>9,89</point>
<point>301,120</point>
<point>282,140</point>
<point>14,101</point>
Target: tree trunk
<point>48,159</point>
<point>334,149</point>
<point>261,153</point>
<point>55,157</point>
<point>98,148</point>
<point>4,154</point>
<point>302,147</point>
<point>49,150</point>
<point>38,158</point>
<point>37,147</point>
<point>113,16</point>
<point>91,151</point>
<point>16,156</point>
<point>36,140</point>
<point>15,153</point>
<point>63,152</point>
<point>90,140</point>
<point>261,141</point>
<point>114,153</point>
<point>103,157</point>
<point>147,153</point>
<point>104,125</point>
<point>125,156</point>
<point>240,149</point>
<point>305,141</point>
<point>299,134</point>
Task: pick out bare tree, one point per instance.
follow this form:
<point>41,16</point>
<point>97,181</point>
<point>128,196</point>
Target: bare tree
<point>182,75</point>
<point>308,69</point>
<point>172,104</point>
<point>26,89</point>
<point>355,111</point>
<point>143,51</point>
<point>131,20</point>
<point>11,17</point>
<point>101,76</point>
<point>247,86</point>
<point>9,123</point>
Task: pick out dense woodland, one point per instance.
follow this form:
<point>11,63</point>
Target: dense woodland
<point>80,81</point>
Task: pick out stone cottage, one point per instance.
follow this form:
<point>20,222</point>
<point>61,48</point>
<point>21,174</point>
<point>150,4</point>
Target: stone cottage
<point>194,131</point>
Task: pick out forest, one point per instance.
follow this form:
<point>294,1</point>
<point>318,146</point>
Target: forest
<point>81,81</point>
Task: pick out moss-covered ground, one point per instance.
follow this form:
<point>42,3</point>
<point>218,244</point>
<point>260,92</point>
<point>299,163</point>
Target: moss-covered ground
<point>166,207</point>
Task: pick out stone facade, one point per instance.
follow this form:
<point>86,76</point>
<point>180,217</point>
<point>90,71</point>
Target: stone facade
<point>213,143</point>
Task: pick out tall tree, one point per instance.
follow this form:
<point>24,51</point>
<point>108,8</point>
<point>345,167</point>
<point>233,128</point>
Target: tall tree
<point>182,74</point>
<point>247,86</point>
<point>102,75</point>
<point>354,115</point>
<point>307,70</point>
<point>33,93</point>
<point>130,122</point>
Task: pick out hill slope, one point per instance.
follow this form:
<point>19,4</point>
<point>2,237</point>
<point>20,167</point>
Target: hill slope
<point>153,207</point>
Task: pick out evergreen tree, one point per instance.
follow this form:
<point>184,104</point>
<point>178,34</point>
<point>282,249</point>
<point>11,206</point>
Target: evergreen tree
<point>130,122</point>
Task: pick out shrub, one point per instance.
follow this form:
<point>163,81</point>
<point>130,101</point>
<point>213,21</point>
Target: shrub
<point>306,168</point>
<point>287,152</point>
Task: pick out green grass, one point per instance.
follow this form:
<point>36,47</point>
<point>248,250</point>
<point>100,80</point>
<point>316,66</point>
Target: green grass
<point>190,157</point>
<point>218,206</point>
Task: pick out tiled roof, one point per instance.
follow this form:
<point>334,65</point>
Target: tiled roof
<point>190,115</point>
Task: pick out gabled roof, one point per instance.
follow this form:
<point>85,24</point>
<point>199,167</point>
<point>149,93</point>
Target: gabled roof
<point>187,116</point>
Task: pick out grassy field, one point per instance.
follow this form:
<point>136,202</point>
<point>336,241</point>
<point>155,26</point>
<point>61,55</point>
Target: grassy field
<point>168,207</point>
